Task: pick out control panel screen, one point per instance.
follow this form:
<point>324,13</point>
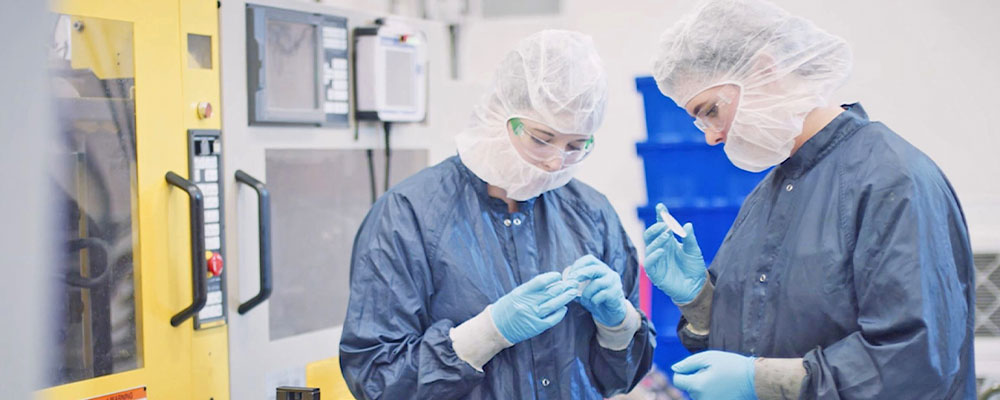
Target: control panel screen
<point>399,80</point>
<point>291,65</point>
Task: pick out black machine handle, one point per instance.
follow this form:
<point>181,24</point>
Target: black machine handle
<point>198,266</point>
<point>264,237</point>
<point>103,253</point>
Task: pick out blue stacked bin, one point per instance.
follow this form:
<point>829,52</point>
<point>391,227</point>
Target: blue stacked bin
<point>697,183</point>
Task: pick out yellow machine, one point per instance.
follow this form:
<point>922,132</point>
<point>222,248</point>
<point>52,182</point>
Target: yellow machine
<point>151,192</point>
<point>141,306</point>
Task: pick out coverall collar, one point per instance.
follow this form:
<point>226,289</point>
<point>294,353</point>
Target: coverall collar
<point>813,150</point>
<point>493,203</point>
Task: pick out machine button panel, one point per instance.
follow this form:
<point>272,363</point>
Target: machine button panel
<point>336,86</point>
<point>206,162</point>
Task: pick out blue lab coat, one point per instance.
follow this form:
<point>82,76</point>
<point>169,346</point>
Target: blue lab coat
<point>853,254</point>
<point>436,250</point>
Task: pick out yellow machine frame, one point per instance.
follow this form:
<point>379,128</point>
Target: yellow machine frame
<point>177,362</point>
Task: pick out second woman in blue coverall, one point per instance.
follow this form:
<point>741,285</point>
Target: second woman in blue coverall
<point>457,286</point>
<point>848,272</point>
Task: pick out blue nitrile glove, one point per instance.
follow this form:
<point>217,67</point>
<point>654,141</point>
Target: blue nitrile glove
<point>716,375</point>
<point>603,296</point>
<point>677,269</point>
<point>533,307</point>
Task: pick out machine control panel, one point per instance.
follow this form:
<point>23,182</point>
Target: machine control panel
<point>297,68</point>
<point>335,83</point>
<point>205,147</point>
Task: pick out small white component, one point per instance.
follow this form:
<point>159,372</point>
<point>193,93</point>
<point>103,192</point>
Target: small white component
<point>213,229</point>
<point>214,298</point>
<point>672,223</point>
<point>339,95</point>
<point>209,189</point>
<point>211,175</point>
<point>211,311</point>
<point>211,202</point>
<point>335,107</point>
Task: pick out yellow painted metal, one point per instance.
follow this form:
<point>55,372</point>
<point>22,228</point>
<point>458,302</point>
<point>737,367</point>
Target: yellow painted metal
<point>200,84</point>
<point>210,350</point>
<point>177,362</point>
<point>104,44</point>
<point>326,375</point>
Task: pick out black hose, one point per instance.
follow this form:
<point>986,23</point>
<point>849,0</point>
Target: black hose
<point>388,154</point>
<point>371,174</point>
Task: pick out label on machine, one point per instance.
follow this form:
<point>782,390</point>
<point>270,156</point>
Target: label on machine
<point>138,393</point>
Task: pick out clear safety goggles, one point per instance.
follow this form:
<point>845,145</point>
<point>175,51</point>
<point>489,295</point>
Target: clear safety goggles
<point>718,115</point>
<point>546,146</point>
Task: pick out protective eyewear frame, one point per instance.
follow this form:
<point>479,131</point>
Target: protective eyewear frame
<point>720,115</point>
<point>539,148</point>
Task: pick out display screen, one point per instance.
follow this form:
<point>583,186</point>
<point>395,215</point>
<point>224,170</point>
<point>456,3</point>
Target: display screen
<point>291,65</point>
<point>400,87</point>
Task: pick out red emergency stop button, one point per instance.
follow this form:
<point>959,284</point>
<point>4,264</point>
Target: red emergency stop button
<point>214,263</point>
<point>204,110</point>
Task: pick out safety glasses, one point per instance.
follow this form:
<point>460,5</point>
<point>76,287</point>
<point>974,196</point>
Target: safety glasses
<point>544,146</point>
<point>718,114</point>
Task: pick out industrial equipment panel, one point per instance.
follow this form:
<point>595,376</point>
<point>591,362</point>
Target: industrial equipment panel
<point>336,84</point>
<point>205,149</point>
<point>297,68</point>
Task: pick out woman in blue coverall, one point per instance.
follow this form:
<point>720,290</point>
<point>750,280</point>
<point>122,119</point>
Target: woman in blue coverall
<point>848,272</point>
<point>457,285</point>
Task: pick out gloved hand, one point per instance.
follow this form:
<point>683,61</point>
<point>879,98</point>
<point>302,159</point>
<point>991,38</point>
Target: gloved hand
<point>678,270</point>
<point>603,296</point>
<point>716,375</point>
<point>533,307</point>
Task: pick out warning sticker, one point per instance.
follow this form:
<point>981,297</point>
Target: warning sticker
<point>131,394</point>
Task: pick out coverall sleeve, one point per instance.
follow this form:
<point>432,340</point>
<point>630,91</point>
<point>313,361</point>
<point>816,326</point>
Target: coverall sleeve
<point>911,305</point>
<point>617,372</point>
<point>700,308</point>
<point>390,348</point>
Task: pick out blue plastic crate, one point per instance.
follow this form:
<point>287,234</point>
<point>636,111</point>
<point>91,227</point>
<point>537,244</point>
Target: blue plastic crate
<point>665,121</point>
<point>694,175</point>
<point>669,351</point>
<point>664,314</point>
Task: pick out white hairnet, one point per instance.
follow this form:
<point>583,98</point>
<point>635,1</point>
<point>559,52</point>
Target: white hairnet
<point>753,43</point>
<point>784,65</point>
<point>554,77</point>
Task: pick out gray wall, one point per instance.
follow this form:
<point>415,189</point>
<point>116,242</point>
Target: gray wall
<point>23,259</point>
